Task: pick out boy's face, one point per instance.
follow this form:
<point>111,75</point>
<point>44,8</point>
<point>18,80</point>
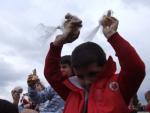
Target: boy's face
<point>38,87</point>
<point>66,69</point>
<point>88,74</point>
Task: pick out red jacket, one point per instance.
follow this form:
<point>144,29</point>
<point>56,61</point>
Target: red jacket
<point>147,108</point>
<point>110,94</point>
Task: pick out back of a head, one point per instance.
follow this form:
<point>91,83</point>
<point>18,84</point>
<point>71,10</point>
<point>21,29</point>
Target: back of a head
<point>7,107</point>
<point>66,60</point>
<point>88,53</point>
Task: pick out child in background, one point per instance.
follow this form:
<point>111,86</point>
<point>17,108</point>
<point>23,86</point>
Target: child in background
<point>45,97</point>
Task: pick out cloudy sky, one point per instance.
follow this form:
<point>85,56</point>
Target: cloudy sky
<point>24,43</point>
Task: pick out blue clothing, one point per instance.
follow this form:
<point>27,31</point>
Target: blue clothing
<point>48,100</point>
<point>20,108</point>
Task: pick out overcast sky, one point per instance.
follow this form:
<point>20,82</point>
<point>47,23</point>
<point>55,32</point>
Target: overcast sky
<point>23,46</point>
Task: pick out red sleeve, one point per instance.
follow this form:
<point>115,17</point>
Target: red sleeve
<point>132,67</point>
<point>52,71</point>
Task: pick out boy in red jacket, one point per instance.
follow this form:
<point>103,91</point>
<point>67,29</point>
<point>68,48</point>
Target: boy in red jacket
<point>95,88</point>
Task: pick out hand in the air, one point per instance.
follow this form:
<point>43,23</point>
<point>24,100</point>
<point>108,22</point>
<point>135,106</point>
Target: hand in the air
<point>109,24</point>
<point>71,31</point>
<point>32,79</point>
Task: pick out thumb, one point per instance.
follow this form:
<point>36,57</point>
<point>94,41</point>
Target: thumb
<point>109,13</point>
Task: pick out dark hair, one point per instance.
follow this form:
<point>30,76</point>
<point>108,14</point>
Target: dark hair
<point>7,107</point>
<point>88,53</point>
<point>66,60</point>
<point>147,94</point>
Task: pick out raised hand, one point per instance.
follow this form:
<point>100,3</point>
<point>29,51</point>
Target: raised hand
<point>32,79</point>
<point>109,24</point>
<point>71,31</point>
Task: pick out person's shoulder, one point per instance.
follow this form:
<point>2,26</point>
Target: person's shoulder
<point>49,89</point>
<point>7,106</point>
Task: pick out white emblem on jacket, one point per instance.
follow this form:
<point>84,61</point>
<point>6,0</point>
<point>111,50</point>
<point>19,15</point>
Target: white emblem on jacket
<point>114,86</point>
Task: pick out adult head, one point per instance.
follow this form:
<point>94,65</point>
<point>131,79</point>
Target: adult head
<point>16,92</point>
<point>147,96</point>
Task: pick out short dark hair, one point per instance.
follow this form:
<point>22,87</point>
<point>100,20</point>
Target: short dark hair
<point>88,53</point>
<point>66,60</point>
<point>147,94</point>
<point>7,107</point>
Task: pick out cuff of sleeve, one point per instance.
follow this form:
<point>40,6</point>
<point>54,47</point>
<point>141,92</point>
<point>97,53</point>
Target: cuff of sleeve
<point>55,51</point>
<point>113,37</point>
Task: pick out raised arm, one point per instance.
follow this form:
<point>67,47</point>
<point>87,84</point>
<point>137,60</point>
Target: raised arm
<point>52,63</point>
<point>52,71</point>
<point>132,67</point>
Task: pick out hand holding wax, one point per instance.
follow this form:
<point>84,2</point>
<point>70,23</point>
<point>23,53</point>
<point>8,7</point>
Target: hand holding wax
<point>109,24</point>
<point>71,30</point>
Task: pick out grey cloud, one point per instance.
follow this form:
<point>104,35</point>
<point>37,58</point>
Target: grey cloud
<point>8,74</point>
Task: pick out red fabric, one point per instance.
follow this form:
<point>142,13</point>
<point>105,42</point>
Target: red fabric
<point>147,108</point>
<point>104,95</point>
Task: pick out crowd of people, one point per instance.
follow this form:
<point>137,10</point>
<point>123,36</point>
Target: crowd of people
<point>85,81</point>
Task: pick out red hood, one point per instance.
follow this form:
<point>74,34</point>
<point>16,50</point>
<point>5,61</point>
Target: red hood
<point>108,70</point>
